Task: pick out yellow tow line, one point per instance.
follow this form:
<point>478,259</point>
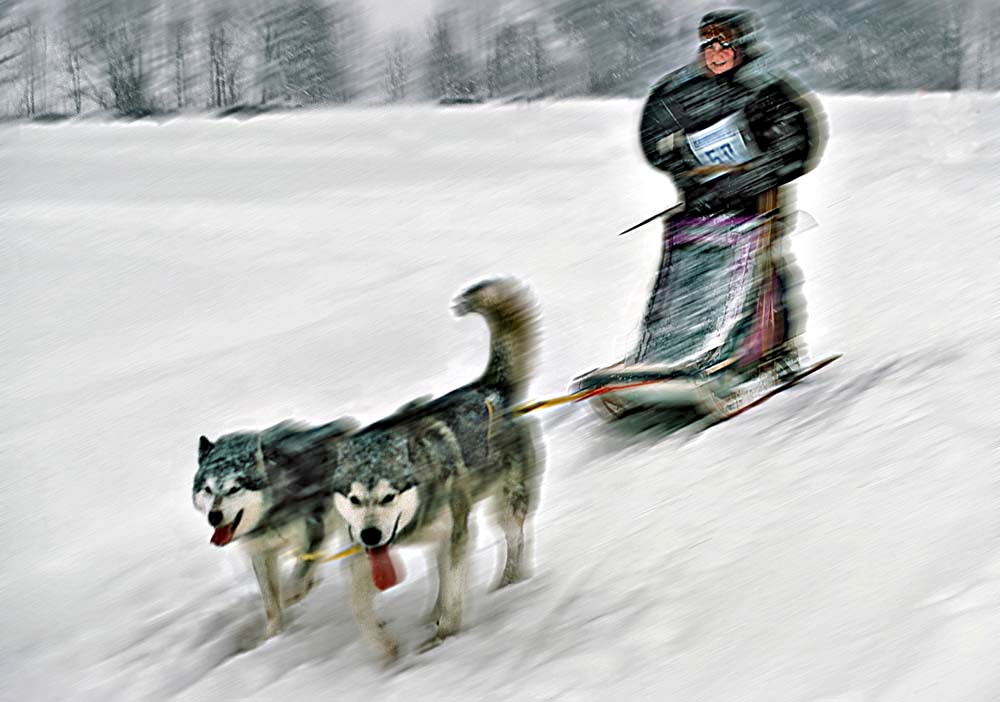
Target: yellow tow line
<point>321,557</point>
<point>526,407</point>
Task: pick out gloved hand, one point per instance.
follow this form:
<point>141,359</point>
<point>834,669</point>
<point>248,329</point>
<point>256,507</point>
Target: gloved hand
<point>715,198</point>
<point>705,204</point>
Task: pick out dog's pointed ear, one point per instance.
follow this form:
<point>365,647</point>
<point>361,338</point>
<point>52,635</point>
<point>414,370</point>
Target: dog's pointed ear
<point>204,446</point>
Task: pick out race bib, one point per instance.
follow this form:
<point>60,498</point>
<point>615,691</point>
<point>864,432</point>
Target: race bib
<point>721,144</point>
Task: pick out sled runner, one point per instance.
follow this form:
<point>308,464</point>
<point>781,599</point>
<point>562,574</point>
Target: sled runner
<point>704,394</point>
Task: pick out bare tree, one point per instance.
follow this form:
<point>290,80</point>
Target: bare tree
<point>397,66</point>
<point>268,23</point>
<point>75,71</point>
<point>179,38</point>
<point>33,54</point>
<point>73,47</point>
<point>539,69</point>
<point>519,62</point>
<point>474,23</point>
<point>75,53</point>
<point>616,38</point>
<point>118,32</point>
<point>299,56</point>
<point>501,60</point>
<point>447,69</point>
<point>10,26</point>
<point>222,63</point>
<point>978,67</point>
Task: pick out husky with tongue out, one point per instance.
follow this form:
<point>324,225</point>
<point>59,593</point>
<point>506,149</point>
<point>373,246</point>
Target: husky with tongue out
<point>270,490</point>
<point>415,476</point>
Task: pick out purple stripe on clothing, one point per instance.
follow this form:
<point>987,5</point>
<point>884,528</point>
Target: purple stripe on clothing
<point>720,231</point>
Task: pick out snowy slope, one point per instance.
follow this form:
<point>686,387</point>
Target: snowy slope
<point>841,543</point>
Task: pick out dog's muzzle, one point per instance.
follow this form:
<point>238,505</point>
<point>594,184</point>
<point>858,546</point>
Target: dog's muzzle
<point>372,537</point>
<point>223,534</point>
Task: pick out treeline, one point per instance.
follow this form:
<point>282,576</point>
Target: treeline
<point>138,57</point>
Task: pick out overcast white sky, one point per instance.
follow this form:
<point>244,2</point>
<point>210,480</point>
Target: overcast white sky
<point>383,14</point>
<point>397,14</point>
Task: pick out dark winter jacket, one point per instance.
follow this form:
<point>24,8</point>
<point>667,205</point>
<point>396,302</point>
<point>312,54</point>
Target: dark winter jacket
<point>748,116</point>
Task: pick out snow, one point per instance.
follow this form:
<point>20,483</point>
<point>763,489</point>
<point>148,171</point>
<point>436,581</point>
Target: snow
<point>839,543</point>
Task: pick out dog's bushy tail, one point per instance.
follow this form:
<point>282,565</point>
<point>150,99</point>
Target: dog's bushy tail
<point>511,311</point>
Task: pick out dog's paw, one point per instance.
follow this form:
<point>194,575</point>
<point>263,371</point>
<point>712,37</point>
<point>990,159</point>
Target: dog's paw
<point>442,631</point>
<point>431,643</point>
<point>273,628</point>
<point>384,644</point>
<point>298,590</point>
<point>440,634</point>
<point>509,577</point>
<point>389,652</point>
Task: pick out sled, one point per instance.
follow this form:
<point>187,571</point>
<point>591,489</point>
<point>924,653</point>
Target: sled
<point>712,335</point>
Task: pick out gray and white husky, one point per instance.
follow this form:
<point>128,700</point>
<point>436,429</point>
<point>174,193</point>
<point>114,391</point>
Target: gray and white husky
<point>270,491</point>
<point>416,475</point>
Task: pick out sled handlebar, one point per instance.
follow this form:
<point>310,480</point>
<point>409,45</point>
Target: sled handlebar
<point>680,208</point>
<point>666,212</point>
<point>715,170</point>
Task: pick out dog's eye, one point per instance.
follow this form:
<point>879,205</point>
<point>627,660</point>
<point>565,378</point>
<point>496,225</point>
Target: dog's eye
<point>208,490</point>
<point>234,490</point>
<point>355,500</point>
<point>388,498</point>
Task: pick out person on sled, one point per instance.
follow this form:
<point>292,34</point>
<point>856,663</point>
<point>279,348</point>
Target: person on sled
<point>732,135</point>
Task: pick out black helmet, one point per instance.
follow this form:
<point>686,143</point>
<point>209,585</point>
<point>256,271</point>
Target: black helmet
<point>738,27</point>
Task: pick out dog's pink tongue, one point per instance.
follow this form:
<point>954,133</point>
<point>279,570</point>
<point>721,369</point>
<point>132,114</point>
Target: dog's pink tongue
<point>223,535</point>
<point>383,570</point>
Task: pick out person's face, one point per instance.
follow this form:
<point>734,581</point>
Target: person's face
<point>718,49</point>
<point>720,57</point>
